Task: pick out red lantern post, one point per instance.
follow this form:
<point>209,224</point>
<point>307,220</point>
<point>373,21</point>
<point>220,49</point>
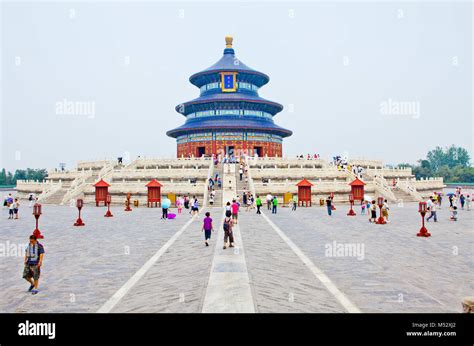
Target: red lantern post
<point>79,205</point>
<point>127,202</point>
<point>380,220</point>
<point>332,200</point>
<point>422,210</point>
<point>109,200</point>
<point>37,213</point>
<point>351,201</point>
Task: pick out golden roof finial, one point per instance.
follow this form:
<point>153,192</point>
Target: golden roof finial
<point>228,41</point>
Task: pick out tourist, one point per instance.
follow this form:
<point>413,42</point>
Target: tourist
<point>164,214</point>
<point>228,209</point>
<point>252,200</point>
<point>179,204</point>
<point>373,212</point>
<point>269,199</point>
<point>195,207</point>
<point>362,207</point>
<point>244,198</point>
<point>211,200</point>
<point>274,204</point>
<point>241,172</point>
<point>11,208</point>
<point>468,202</point>
<point>329,205</point>
<point>34,254</point>
<point>16,206</point>
<point>31,200</point>
<point>295,203</point>
<point>454,213</point>
<point>219,183</point>
<point>207,228</point>
<point>439,200</point>
<point>450,201</point>
<point>462,200</point>
<point>186,202</point>
<point>385,210</point>
<point>235,211</point>
<point>431,205</point>
<point>228,234</point>
<point>258,202</point>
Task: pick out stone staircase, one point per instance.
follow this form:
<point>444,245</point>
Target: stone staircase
<point>401,195</point>
<point>242,186</point>
<point>218,198</point>
<point>56,197</point>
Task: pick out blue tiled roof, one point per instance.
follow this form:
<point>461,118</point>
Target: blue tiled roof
<point>229,122</point>
<point>269,106</point>
<point>229,62</point>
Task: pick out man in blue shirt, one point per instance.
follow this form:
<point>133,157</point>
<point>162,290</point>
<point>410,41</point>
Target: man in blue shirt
<point>34,254</point>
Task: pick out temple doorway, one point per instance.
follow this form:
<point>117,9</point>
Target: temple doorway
<point>201,151</point>
<point>258,151</point>
<point>229,150</point>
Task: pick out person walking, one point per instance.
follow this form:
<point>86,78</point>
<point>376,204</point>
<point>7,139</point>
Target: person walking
<point>30,201</point>
<point>186,202</point>
<point>362,207</point>
<point>34,255</point>
<point>295,203</point>
<point>439,200</point>
<point>179,204</point>
<point>462,199</point>
<point>329,205</point>
<point>241,172</point>
<point>468,202</point>
<point>195,207</point>
<point>258,202</point>
<point>274,205</point>
<point>235,211</point>
<point>269,199</point>
<point>228,234</point>
<point>432,208</point>
<point>207,228</point>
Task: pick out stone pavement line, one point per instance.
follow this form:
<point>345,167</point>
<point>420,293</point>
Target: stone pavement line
<point>228,289</point>
<point>320,275</point>
<point>110,304</point>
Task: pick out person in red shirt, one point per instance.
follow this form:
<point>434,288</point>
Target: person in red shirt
<point>235,210</point>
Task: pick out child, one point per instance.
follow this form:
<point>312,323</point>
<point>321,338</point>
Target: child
<point>179,204</point>
<point>454,214</point>
<point>373,212</point>
<point>362,207</point>
<point>207,228</point>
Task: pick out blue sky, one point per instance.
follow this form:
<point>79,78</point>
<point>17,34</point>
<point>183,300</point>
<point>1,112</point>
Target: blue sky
<point>332,66</point>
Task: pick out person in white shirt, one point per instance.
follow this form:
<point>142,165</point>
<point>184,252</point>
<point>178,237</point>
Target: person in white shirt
<point>432,208</point>
<point>269,199</point>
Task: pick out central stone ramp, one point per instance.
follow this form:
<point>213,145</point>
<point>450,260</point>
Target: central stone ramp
<point>177,282</point>
<point>228,289</point>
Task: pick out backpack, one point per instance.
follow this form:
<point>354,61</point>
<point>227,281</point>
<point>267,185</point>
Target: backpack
<point>226,225</point>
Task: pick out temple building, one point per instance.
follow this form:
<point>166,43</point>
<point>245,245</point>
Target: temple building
<point>229,117</point>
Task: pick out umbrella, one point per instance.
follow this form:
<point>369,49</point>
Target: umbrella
<point>166,203</point>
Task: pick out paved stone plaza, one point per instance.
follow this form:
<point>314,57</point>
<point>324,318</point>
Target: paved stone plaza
<point>153,265</point>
